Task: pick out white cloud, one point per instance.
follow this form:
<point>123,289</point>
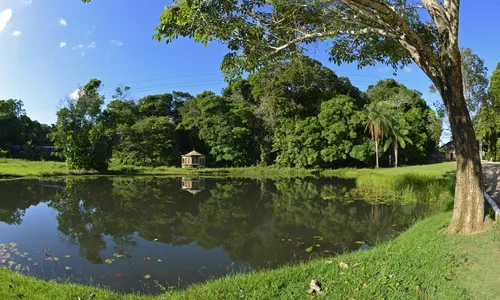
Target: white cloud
<point>76,94</point>
<point>62,44</point>
<point>78,47</point>
<point>407,69</point>
<point>5,17</point>
<point>116,43</point>
<point>63,22</point>
<point>17,33</point>
<point>92,45</point>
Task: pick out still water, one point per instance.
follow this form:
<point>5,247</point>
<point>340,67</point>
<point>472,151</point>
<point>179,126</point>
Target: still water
<point>136,233</point>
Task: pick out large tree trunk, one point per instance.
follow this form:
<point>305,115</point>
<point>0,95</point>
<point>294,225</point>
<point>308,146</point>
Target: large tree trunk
<point>468,211</point>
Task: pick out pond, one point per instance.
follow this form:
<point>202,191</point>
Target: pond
<point>144,234</point>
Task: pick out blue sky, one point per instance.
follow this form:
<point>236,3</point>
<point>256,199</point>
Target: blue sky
<point>49,47</point>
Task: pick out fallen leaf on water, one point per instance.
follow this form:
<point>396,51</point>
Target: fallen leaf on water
<point>68,268</point>
<point>159,260</point>
<point>147,276</point>
<point>68,256</point>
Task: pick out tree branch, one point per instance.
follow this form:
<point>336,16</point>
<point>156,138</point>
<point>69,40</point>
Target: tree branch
<point>313,35</point>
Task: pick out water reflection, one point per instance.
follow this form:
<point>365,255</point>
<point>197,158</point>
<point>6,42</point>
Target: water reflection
<point>135,227</point>
<point>193,185</point>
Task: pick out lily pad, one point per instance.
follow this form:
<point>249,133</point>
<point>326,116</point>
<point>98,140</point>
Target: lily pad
<point>309,249</point>
<point>30,259</point>
<point>68,256</point>
<point>13,245</point>
<point>56,258</point>
<point>117,255</point>
<point>147,276</point>
<point>68,268</point>
<point>159,260</point>
<point>109,261</point>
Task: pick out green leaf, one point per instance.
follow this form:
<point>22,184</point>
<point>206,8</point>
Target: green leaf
<point>68,256</point>
<point>68,268</point>
<point>147,276</point>
<point>109,261</point>
<point>309,249</point>
<point>159,260</point>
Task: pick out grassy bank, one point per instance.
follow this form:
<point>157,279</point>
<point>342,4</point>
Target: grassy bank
<point>422,263</point>
<point>21,168</point>
<point>431,183</point>
<point>16,168</point>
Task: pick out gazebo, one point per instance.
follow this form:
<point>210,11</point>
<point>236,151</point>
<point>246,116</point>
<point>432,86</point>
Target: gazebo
<point>193,159</point>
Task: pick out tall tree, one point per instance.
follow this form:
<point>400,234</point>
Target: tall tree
<point>397,136</point>
<point>87,142</point>
<point>379,124</point>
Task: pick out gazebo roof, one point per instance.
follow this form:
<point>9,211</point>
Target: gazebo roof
<point>193,153</point>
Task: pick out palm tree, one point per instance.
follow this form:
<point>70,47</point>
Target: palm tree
<point>379,123</point>
<point>399,135</point>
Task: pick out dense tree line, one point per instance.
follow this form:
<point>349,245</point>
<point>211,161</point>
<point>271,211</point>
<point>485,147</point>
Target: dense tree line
<point>300,114</point>
<point>18,133</point>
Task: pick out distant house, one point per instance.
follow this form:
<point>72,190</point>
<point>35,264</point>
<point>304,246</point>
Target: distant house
<point>449,151</point>
<point>193,159</point>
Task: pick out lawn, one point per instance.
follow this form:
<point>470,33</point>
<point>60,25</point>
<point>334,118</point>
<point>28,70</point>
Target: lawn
<point>423,263</point>
<point>16,168</point>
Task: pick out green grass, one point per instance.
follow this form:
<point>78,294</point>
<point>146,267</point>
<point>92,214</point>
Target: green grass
<point>422,263</point>
<point>427,183</point>
<point>16,168</point>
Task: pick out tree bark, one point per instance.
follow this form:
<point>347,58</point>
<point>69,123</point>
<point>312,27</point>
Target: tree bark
<point>468,211</point>
<point>376,152</point>
<point>395,152</point>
